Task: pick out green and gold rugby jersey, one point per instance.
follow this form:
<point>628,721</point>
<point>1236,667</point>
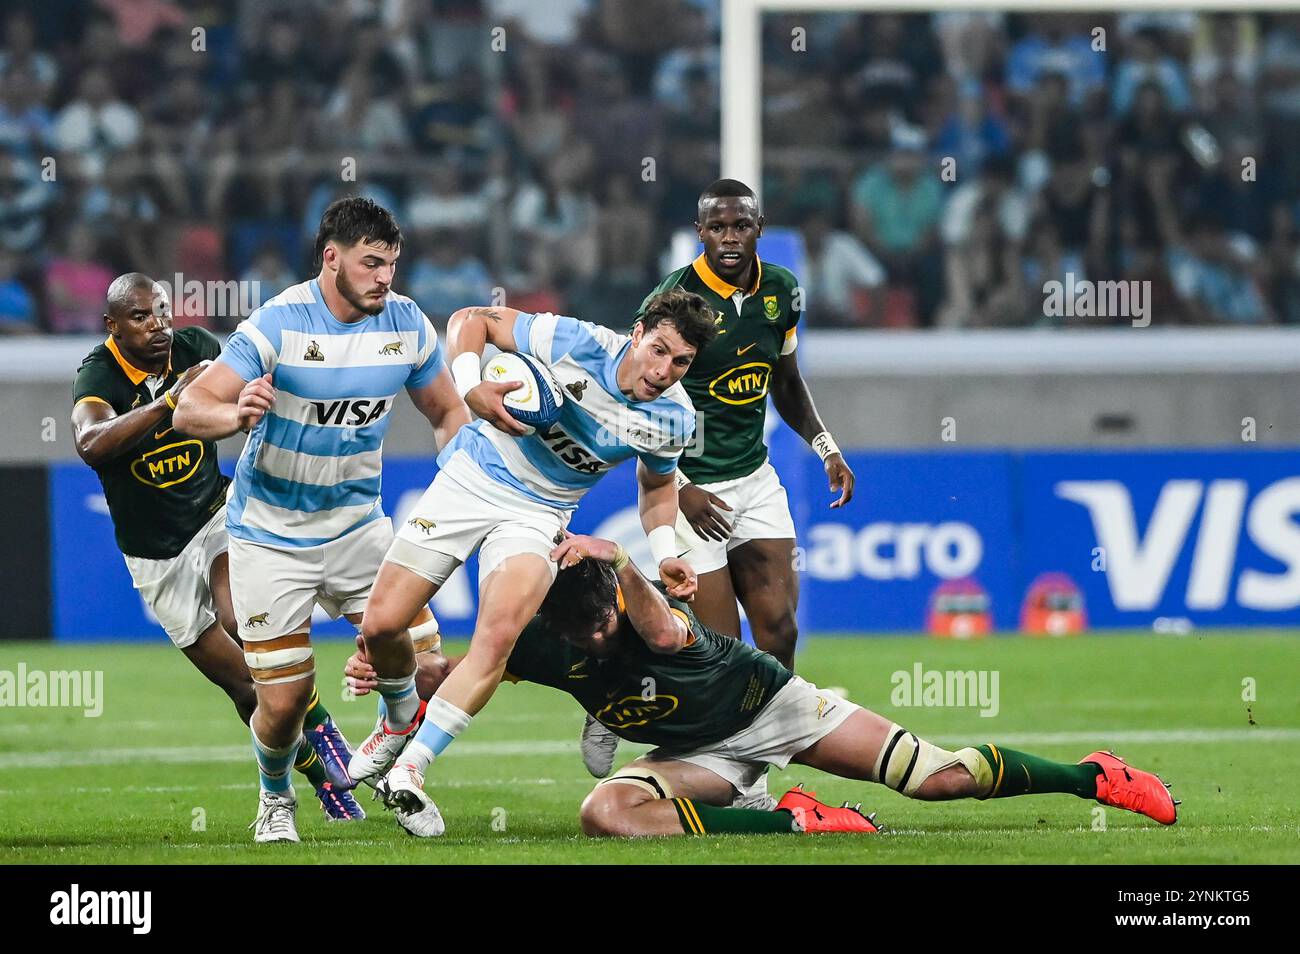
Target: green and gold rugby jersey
<point>165,488</point>
<point>708,691</point>
<point>728,382</point>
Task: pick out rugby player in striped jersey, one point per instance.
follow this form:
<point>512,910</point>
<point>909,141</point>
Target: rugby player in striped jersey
<point>313,375</point>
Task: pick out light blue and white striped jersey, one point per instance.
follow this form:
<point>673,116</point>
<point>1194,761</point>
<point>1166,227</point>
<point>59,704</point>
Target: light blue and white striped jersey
<point>599,426</point>
<point>310,471</point>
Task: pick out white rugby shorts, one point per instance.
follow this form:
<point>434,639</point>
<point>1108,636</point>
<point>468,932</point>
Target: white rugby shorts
<point>760,510</point>
<point>464,510</point>
<point>275,589</point>
<point>797,717</point>
<point>179,590</point>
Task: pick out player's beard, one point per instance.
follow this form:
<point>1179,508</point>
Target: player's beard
<point>354,297</point>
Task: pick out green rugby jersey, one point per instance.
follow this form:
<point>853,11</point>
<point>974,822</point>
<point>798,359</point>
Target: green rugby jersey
<point>709,690</point>
<point>728,382</point>
<point>161,491</point>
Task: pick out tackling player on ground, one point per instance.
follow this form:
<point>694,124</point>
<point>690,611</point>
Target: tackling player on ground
<point>509,494</point>
<point>167,499</point>
<point>313,376</point>
<point>720,713</point>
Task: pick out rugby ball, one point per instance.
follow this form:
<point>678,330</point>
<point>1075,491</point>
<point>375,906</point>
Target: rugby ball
<point>537,402</point>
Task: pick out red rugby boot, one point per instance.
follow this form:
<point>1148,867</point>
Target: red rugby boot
<point>813,815</point>
<point>1123,786</point>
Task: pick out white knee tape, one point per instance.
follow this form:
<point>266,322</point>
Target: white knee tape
<point>425,638</point>
<point>906,761</point>
<point>280,665</point>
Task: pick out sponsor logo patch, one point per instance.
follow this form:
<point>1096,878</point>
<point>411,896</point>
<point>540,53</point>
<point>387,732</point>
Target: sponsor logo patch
<point>169,465</point>
<point>631,711</point>
<point>743,384</point>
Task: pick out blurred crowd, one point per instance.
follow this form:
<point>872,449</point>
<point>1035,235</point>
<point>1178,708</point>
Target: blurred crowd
<point>945,168</point>
<point>934,169</point>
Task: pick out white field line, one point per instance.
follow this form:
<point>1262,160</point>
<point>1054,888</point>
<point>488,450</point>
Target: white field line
<point>251,786</point>
<point>240,753</point>
<point>345,721</point>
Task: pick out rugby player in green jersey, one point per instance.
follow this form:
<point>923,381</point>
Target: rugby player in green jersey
<point>167,499</point>
<point>719,713</point>
<point>734,514</point>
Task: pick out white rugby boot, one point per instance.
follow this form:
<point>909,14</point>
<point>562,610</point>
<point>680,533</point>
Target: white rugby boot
<point>599,746</point>
<point>275,817</point>
<point>380,750</point>
<point>402,790</point>
<point>757,797</point>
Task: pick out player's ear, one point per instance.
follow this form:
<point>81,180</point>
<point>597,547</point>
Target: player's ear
<point>760,222</point>
<point>110,325</point>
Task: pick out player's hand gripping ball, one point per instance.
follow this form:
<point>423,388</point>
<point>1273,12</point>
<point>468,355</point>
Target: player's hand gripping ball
<point>538,401</point>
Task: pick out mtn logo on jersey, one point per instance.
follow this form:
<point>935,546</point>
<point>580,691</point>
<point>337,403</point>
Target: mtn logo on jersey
<point>636,710</point>
<point>313,353</point>
<point>344,413</point>
<point>744,384</point>
<point>170,465</point>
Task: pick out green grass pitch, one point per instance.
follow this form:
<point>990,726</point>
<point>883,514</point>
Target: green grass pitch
<point>164,775</point>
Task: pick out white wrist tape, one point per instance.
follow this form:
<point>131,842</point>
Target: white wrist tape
<point>680,480</point>
<point>663,543</point>
<point>467,371</point>
<point>825,445</point>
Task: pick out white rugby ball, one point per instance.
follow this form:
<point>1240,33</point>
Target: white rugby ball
<point>537,402</point>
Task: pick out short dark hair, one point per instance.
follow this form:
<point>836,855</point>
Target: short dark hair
<point>688,314</point>
<point>727,189</point>
<point>580,599</point>
<point>354,219</point>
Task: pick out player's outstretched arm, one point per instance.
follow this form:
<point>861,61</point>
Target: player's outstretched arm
<point>794,403</point>
<point>220,403</point>
<point>102,434</point>
<point>648,612</point>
